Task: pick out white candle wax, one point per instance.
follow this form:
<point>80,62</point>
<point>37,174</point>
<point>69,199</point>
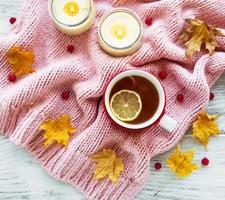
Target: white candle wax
<point>120,32</point>
<point>72,16</point>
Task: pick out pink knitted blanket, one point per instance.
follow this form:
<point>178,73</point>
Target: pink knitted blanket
<point>24,104</point>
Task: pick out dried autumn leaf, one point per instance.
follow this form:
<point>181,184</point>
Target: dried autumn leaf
<point>107,164</point>
<point>204,127</point>
<point>21,60</point>
<point>197,33</point>
<point>181,162</point>
<point>58,130</point>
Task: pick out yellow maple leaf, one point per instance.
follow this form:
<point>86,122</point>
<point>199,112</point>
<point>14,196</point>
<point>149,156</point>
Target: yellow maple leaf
<point>58,130</point>
<point>204,127</point>
<point>181,162</point>
<point>21,60</point>
<point>197,33</point>
<point>107,164</point>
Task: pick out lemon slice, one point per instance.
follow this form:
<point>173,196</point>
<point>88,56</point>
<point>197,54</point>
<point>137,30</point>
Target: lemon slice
<point>126,105</point>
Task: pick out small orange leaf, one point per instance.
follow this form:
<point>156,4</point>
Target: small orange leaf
<point>58,130</point>
<point>107,164</point>
<point>21,60</point>
<point>204,127</point>
<point>181,162</point>
<point>197,33</point>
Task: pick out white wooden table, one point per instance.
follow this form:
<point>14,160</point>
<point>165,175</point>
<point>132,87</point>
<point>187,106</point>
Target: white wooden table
<point>21,178</point>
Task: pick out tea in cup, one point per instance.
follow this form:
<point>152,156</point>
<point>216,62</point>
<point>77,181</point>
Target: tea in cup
<point>135,99</point>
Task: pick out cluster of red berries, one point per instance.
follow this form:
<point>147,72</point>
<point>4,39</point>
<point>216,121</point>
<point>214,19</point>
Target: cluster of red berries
<point>70,48</point>
<point>180,97</point>
<point>65,95</point>
<point>204,161</point>
<point>12,20</point>
<point>12,77</point>
<point>148,21</point>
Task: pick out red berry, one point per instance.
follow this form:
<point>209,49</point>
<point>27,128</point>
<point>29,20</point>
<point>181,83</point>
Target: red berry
<point>148,21</point>
<point>211,97</point>
<point>180,98</point>
<point>12,20</point>
<point>65,95</point>
<point>12,77</point>
<point>205,161</point>
<point>158,166</point>
<point>163,75</point>
<point>70,48</point>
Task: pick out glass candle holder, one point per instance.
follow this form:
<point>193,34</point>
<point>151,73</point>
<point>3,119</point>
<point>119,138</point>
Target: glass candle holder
<point>120,32</point>
<point>72,17</point>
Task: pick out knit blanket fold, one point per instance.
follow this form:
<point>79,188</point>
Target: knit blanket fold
<point>86,72</point>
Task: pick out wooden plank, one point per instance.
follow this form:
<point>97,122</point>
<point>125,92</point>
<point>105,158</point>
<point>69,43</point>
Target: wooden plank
<point>218,104</point>
<point>22,178</point>
<point>8,9</point>
<point>205,184</point>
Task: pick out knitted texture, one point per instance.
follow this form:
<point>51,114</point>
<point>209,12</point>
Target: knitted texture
<point>86,72</point>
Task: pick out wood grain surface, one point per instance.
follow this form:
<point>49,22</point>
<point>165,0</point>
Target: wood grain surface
<point>22,178</point>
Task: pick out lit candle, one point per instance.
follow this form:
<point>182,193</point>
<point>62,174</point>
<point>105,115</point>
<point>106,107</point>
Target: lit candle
<point>72,16</point>
<point>120,32</point>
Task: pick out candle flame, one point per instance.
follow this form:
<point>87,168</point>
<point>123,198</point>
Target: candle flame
<point>71,8</point>
<point>119,31</point>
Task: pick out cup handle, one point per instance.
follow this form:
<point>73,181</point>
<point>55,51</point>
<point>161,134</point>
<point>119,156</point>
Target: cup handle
<point>168,123</point>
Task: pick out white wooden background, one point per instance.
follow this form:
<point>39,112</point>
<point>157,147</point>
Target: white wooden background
<point>21,178</point>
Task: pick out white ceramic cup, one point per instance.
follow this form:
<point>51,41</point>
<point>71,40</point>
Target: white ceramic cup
<point>159,117</point>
